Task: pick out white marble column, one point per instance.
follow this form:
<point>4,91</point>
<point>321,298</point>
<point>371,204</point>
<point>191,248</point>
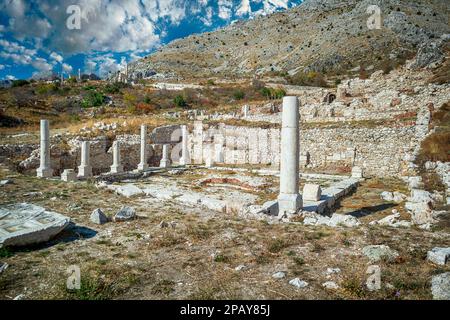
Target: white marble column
<point>116,167</point>
<point>165,161</point>
<point>218,153</point>
<point>289,200</point>
<point>85,169</point>
<point>143,164</point>
<point>44,170</point>
<point>209,161</point>
<point>185,156</point>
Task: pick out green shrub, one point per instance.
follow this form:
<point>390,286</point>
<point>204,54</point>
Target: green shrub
<point>180,102</point>
<point>72,80</point>
<point>310,79</point>
<point>239,94</point>
<point>93,99</point>
<point>271,93</point>
<point>112,88</point>
<point>19,83</point>
<point>46,88</point>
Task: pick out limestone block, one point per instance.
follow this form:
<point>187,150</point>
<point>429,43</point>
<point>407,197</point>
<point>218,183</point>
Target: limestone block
<point>69,175</point>
<point>312,192</point>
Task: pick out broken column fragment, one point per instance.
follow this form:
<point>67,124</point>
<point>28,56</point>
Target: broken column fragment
<point>289,200</point>
<point>116,167</point>
<point>85,168</point>
<point>165,161</point>
<point>143,164</point>
<point>185,157</point>
<point>44,170</point>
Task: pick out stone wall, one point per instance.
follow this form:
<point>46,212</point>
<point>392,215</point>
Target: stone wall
<point>380,151</point>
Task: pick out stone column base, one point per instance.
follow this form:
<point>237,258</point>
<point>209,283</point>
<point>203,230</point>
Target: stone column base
<point>44,173</point>
<point>142,166</point>
<point>289,204</point>
<point>117,169</point>
<point>84,172</point>
<point>164,164</point>
<point>69,175</point>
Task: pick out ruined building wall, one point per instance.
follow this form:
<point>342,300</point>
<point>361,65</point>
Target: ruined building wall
<point>380,151</point>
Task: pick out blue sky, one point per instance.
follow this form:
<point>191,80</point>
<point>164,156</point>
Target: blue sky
<point>35,39</point>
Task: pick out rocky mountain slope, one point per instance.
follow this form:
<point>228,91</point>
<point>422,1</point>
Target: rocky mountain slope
<point>329,36</point>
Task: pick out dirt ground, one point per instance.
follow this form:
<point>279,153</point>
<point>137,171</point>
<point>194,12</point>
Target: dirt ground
<point>197,257</point>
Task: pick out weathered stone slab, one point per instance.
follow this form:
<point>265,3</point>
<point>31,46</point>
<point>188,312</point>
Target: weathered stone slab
<point>26,224</point>
<point>439,256</point>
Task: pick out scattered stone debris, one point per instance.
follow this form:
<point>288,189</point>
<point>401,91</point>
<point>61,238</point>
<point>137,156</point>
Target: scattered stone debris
<point>330,285</point>
<point>26,224</point>
<point>125,214</point>
<point>279,275</point>
<point>300,284</point>
<point>3,266</point>
<point>240,267</point>
<point>98,217</point>
<point>392,221</point>
<point>333,270</point>
<point>440,286</point>
<point>5,182</point>
<point>440,256</point>
<point>314,219</point>
<point>396,197</point>
<point>376,253</point>
<point>128,190</point>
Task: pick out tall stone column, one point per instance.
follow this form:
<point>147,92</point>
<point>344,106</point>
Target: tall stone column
<point>44,170</point>
<point>116,167</point>
<point>289,200</point>
<point>165,161</point>
<point>143,164</point>
<point>85,169</point>
<point>185,156</point>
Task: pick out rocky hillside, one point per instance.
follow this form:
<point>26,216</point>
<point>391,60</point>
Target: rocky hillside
<point>329,36</point>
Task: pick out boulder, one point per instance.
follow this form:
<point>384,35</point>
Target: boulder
<point>98,217</point>
<point>125,214</point>
<point>439,256</point>
<point>376,253</point>
<point>440,286</point>
<point>392,221</point>
<point>421,213</point>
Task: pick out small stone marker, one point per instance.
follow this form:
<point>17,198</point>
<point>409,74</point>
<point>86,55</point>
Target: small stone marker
<point>165,161</point>
<point>312,192</point>
<point>69,175</point>
<point>98,217</point>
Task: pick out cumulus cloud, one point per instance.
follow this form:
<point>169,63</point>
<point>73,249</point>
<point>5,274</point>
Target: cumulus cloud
<point>38,33</point>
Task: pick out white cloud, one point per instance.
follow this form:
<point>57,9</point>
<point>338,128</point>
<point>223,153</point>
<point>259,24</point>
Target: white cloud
<point>67,68</point>
<point>2,67</point>
<point>225,7</point>
<point>10,77</point>
<point>56,57</point>
<point>244,8</point>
